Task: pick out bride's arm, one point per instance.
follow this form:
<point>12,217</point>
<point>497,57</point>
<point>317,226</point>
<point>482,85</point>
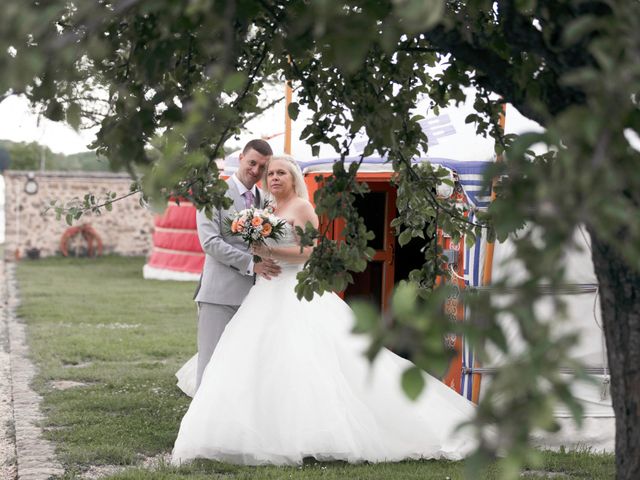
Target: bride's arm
<point>303,214</point>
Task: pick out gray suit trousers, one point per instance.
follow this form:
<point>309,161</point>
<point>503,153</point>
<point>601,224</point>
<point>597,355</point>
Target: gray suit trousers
<point>212,320</point>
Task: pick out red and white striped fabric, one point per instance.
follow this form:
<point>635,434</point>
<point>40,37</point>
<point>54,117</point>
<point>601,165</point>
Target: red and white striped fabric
<point>176,252</point>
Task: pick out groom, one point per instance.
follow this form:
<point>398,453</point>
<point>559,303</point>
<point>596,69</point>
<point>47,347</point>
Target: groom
<point>229,269</point>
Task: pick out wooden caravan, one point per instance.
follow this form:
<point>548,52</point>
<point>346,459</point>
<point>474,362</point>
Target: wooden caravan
<point>392,263</point>
<point>454,144</point>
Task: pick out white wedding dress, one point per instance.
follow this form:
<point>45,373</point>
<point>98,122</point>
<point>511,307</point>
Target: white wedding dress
<point>289,380</point>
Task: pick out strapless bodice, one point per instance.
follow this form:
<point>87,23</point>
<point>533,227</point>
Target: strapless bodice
<point>288,238</point>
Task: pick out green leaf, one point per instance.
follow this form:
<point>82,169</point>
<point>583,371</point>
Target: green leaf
<point>359,265</point>
<point>234,82</point>
<point>293,110</point>
<point>349,51</point>
<point>418,15</point>
<point>308,294</point>
<point>404,299</point>
<point>405,237</point>
<point>575,407</point>
<point>413,382</point>
<point>473,117</point>
<point>366,316</point>
<point>74,114</point>
<point>509,468</point>
<point>578,28</point>
<point>526,6</point>
<point>498,338</point>
<point>54,111</point>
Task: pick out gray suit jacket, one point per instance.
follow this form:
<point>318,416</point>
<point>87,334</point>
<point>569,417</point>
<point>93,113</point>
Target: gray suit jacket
<point>224,280</point>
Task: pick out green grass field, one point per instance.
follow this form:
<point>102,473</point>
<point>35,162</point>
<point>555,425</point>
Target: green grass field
<point>99,323</point>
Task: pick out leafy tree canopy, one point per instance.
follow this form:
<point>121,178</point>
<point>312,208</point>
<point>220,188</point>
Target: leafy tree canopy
<point>182,77</point>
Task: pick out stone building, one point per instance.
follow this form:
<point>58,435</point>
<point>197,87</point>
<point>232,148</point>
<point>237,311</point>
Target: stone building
<point>126,230</point>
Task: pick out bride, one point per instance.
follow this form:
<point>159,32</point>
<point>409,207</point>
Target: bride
<point>289,380</point>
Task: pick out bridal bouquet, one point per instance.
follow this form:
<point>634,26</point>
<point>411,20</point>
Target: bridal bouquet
<point>255,225</point>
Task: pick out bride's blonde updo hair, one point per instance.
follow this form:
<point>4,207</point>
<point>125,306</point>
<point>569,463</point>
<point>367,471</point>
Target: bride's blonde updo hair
<point>298,179</point>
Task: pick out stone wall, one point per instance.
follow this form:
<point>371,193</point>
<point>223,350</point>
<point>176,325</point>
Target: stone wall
<point>126,230</point>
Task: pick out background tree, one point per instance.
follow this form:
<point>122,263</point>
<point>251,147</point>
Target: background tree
<point>5,159</point>
<point>183,76</point>
<point>24,156</point>
<point>32,156</point>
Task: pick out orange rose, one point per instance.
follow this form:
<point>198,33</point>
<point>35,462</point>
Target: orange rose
<point>234,226</point>
<point>256,221</point>
<point>266,229</point>
<point>240,225</point>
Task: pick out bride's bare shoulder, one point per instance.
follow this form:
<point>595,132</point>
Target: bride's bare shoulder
<point>304,212</point>
<point>302,204</point>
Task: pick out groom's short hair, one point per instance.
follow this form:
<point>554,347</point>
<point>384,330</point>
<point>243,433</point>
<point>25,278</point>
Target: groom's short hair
<point>260,146</point>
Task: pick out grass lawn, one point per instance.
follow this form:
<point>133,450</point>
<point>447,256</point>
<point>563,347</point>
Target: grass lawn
<point>99,323</point>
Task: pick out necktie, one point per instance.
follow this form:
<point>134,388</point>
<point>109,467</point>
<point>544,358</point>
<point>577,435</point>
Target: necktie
<point>248,199</point>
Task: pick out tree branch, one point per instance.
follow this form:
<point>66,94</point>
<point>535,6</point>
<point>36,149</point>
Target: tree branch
<point>496,74</point>
<point>414,176</point>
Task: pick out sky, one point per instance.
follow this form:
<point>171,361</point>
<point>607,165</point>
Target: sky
<point>19,123</point>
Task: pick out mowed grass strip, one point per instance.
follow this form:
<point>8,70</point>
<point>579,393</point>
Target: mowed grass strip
<point>573,465</point>
<point>99,323</point>
<point>201,470</point>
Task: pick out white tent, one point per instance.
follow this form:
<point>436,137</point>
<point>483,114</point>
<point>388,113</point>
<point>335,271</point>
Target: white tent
<point>580,294</point>
<point>450,138</point>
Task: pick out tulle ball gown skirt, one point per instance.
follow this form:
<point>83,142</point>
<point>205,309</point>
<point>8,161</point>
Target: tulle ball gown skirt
<point>288,380</point>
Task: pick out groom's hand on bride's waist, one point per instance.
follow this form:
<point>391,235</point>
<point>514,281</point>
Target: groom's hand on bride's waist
<point>267,268</point>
